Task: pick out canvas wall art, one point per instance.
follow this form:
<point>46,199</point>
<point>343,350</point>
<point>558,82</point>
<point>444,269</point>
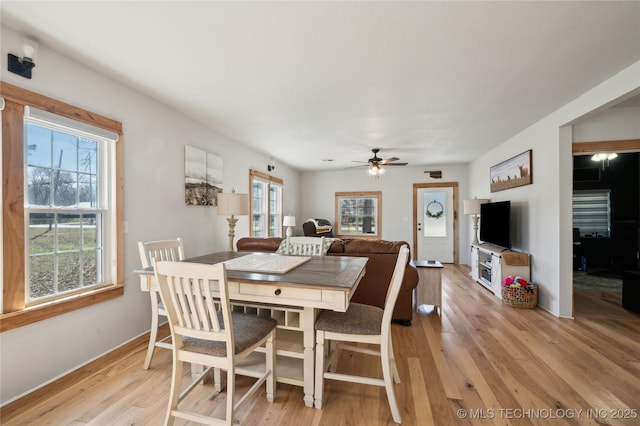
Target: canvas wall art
<point>203,177</point>
<point>512,173</point>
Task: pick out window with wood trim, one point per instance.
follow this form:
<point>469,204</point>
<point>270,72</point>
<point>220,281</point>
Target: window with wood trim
<point>62,208</point>
<point>358,215</point>
<point>266,204</point>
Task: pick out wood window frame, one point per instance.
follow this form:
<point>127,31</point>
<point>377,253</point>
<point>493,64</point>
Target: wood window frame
<point>14,312</point>
<point>377,195</point>
<point>253,174</point>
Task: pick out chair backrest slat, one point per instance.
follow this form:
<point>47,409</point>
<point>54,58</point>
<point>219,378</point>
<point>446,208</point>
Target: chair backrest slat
<point>161,250</point>
<point>305,246</point>
<point>190,292</point>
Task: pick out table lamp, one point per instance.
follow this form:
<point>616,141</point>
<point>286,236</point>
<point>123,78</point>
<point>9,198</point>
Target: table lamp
<point>232,203</point>
<point>472,207</point>
<point>289,222</point>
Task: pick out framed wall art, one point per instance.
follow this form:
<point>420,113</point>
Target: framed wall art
<point>202,177</point>
<point>514,172</point>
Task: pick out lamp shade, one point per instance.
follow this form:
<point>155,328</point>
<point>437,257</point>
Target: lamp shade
<point>289,221</point>
<point>473,206</point>
<point>231,203</point>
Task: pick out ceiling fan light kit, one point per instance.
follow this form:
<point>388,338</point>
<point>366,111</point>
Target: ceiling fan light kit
<point>375,171</point>
<point>376,163</point>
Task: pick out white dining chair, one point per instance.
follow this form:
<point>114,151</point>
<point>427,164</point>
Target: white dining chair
<point>303,246</point>
<point>361,324</point>
<point>205,331</point>
<point>160,250</point>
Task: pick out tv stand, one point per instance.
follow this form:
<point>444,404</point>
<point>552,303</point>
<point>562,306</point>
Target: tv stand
<point>491,264</point>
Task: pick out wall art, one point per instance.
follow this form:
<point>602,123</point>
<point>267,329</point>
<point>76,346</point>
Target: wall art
<point>202,177</point>
<point>512,173</point>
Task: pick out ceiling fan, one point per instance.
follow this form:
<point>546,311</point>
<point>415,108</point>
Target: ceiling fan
<point>376,163</point>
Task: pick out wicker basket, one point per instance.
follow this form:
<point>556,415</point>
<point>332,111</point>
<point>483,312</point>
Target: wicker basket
<point>519,297</point>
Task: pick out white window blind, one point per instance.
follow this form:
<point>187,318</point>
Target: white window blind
<point>67,125</point>
<point>592,212</point>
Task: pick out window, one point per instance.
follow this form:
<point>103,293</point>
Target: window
<point>266,205</point>
<point>65,205</point>
<point>358,214</point>
<point>592,212</point>
<point>61,217</point>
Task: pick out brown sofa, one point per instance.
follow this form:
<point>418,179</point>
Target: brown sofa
<point>372,290</point>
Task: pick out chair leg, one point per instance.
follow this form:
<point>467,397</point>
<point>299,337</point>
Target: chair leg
<point>392,359</point>
<point>217,380</point>
<point>320,356</point>
<point>153,333</point>
<point>231,390</point>
<point>174,393</point>
<point>385,353</point>
<point>332,354</point>
<point>271,366</point>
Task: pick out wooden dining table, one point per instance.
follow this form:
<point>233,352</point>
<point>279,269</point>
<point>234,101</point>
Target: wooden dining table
<point>266,283</point>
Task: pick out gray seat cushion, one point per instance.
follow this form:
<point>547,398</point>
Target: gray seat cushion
<point>359,319</point>
<point>247,329</point>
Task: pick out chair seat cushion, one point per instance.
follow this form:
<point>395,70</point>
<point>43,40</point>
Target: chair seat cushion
<point>247,330</point>
<point>359,319</point>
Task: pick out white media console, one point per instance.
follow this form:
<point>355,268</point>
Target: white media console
<point>491,264</point>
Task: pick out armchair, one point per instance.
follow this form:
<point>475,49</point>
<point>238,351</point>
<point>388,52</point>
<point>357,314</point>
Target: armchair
<point>318,228</point>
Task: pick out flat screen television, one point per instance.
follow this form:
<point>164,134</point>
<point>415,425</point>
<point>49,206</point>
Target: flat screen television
<point>495,223</point>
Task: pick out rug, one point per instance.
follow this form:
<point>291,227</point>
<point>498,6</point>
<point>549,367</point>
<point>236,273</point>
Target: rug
<point>584,281</point>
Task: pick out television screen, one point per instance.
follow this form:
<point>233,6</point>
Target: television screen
<point>495,222</point>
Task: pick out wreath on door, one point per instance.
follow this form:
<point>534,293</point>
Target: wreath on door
<point>434,210</point>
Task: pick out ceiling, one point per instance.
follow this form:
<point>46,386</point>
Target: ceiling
<point>305,82</point>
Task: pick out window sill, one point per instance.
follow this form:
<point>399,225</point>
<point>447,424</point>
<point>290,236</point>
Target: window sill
<point>51,309</point>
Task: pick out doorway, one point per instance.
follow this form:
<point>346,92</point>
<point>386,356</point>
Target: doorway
<point>435,221</point>
<point>604,244</point>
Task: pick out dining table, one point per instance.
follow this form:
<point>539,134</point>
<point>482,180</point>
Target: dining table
<point>293,290</point>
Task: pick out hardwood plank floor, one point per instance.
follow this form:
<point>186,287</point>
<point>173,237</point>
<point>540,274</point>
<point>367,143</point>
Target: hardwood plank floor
<point>481,362</point>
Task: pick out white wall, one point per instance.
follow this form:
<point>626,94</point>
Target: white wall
<point>609,125</point>
<point>544,208</point>
<point>154,140</point>
<point>318,197</point>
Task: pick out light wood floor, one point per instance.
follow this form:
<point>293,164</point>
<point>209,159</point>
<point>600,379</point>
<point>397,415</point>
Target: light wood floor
<point>480,363</point>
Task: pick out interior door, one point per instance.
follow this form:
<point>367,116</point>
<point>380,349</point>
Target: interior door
<point>435,227</point>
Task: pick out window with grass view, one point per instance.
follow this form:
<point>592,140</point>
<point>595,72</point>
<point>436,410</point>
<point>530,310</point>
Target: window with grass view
<point>358,214</point>
<point>65,208</point>
<point>62,208</point>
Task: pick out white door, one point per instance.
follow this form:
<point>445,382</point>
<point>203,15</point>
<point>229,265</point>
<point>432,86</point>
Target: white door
<point>435,224</point>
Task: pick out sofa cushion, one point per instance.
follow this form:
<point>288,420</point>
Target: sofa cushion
<point>365,247</point>
<point>336,247</point>
<point>259,244</point>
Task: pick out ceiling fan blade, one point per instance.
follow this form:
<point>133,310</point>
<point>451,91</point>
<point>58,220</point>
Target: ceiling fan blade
<point>376,161</point>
